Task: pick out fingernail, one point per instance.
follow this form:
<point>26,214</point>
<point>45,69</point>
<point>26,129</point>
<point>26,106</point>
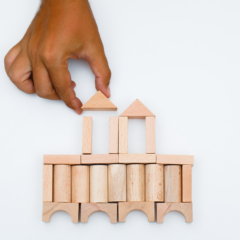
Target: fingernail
<point>108,91</point>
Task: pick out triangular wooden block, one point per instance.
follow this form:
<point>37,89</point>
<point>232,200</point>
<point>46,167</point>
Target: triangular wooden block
<point>137,110</point>
<point>99,102</point>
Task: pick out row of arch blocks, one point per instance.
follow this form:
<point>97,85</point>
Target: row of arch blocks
<point>117,211</point>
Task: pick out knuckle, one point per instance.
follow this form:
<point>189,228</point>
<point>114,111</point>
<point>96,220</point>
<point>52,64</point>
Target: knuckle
<point>14,76</point>
<point>7,60</point>
<point>50,57</point>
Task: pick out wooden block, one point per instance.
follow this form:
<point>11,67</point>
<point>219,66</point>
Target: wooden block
<point>187,183</point>
<point>99,159</point>
<point>80,184</point>
<point>175,159</point>
<point>98,184</point>
<point>126,207</point>
<point>150,135</point>
<point>137,111</point>
<point>87,135</point>
<point>123,135</point>
<point>87,209</point>
<point>99,102</point>
<point>184,208</point>
<point>173,183</point>
<point>62,159</point>
<point>50,208</point>
<point>117,183</point>
<point>135,183</point>
<point>154,183</point>
<point>113,134</point>
<point>62,183</point>
<point>137,158</point>
<point>47,183</point>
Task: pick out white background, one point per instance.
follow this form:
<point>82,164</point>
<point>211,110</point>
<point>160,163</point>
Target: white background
<point>181,59</point>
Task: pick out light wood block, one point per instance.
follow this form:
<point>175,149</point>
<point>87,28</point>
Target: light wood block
<point>98,184</point>
<point>99,102</point>
<point>137,111</point>
<point>123,135</point>
<point>137,158</point>
<point>126,207</point>
<point>175,159</point>
<point>173,183</point>
<point>62,183</point>
<point>87,135</point>
<point>87,209</point>
<point>135,183</point>
<point>50,208</point>
<point>184,208</point>
<point>154,183</point>
<point>187,183</point>
<point>62,159</point>
<point>99,159</point>
<point>80,184</point>
<point>117,183</point>
<point>113,135</point>
<point>150,135</point>
<point>47,183</point>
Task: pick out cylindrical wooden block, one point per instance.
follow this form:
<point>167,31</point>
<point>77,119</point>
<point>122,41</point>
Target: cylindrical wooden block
<point>154,183</point>
<point>62,183</point>
<point>117,182</point>
<point>80,184</point>
<point>173,183</point>
<point>98,184</point>
<point>135,183</point>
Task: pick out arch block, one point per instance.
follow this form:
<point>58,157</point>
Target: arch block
<point>49,208</point>
<point>87,209</point>
<point>184,208</point>
<point>126,207</point>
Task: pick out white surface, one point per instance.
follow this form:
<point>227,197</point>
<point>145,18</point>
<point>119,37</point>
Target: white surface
<point>181,59</point>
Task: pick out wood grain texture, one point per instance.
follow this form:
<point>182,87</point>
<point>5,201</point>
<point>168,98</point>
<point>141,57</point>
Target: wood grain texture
<point>187,183</point>
<point>137,158</point>
<point>62,183</point>
<point>123,135</point>
<point>184,208</point>
<point>80,184</point>
<point>117,183</point>
<point>173,183</point>
<point>135,183</point>
<point>87,135</point>
<point>126,207</point>
<point>87,209</point>
<point>150,135</point>
<point>62,159</point>
<point>99,102</point>
<point>137,111</point>
<point>98,184</point>
<point>113,135</point>
<point>50,208</point>
<point>99,159</point>
<point>175,159</point>
<point>154,183</point>
<point>47,183</point>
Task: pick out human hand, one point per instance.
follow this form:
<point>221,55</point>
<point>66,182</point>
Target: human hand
<point>61,29</point>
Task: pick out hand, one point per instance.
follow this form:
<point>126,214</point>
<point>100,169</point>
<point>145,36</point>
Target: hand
<point>61,29</point>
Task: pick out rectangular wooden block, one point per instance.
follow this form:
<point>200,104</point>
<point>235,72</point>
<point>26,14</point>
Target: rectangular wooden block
<point>87,135</point>
<point>123,135</point>
<point>99,159</point>
<point>62,159</point>
<point>137,158</point>
<point>150,135</point>
<point>187,183</point>
<point>113,135</point>
<point>47,183</point>
<point>175,159</point>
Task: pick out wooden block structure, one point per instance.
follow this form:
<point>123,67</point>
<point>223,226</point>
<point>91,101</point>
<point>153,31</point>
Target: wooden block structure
<point>118,183</point>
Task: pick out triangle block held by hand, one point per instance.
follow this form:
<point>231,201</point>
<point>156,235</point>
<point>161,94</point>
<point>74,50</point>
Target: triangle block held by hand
<point>99,102</point>
<point>137,110</point>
